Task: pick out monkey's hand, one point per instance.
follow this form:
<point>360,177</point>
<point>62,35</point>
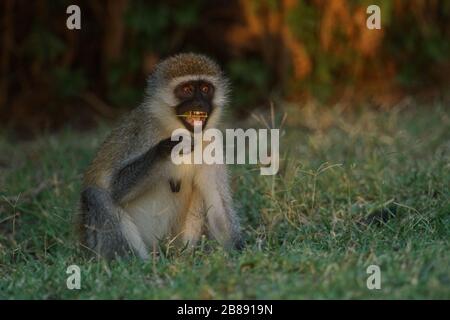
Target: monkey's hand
<point>165,146</point>
<point>168,144</point>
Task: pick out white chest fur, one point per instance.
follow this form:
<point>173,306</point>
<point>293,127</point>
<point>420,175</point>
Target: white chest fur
<point>157,209</point>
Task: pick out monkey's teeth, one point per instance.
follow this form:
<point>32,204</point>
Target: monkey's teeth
<point>195,116</point>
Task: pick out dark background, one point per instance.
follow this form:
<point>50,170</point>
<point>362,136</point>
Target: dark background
<point>286,50</point>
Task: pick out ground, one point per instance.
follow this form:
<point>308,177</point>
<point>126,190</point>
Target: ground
<point>355,188</point>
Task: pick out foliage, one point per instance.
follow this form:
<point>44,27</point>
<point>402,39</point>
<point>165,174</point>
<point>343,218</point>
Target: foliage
<point>286,49</point>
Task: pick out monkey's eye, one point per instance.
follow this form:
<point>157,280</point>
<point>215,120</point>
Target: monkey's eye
<point>204,88</point>
<point>187,89</point>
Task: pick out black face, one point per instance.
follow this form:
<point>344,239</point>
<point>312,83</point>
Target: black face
<point>195,102</point>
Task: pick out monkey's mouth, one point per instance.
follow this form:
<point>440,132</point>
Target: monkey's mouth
<point>194,116</point>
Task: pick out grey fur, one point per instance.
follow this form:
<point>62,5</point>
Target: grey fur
<point>101,217</point>
<point>131,174</point>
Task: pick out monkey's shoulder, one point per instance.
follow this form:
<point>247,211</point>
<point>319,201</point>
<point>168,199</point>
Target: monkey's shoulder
<point>132,137</point>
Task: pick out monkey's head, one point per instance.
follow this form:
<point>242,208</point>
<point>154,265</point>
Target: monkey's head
<point>186,88</point>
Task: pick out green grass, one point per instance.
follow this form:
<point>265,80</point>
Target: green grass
<point>306,229</point>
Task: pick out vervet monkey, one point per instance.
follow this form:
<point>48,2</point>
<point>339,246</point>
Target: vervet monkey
<point>134,195</point>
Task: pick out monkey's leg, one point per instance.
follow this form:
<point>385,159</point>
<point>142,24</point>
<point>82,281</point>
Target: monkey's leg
<point>193,224</point>
<point>221,218</point>
<point>109,231</point>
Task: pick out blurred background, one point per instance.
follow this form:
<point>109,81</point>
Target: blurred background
<point>286,50</point>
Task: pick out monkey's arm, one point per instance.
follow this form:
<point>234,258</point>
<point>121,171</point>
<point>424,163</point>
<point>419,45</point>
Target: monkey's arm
<point>125,181</point>
<point>222,220</point>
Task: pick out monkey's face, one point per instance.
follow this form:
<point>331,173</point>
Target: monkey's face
<point>195,102</point>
